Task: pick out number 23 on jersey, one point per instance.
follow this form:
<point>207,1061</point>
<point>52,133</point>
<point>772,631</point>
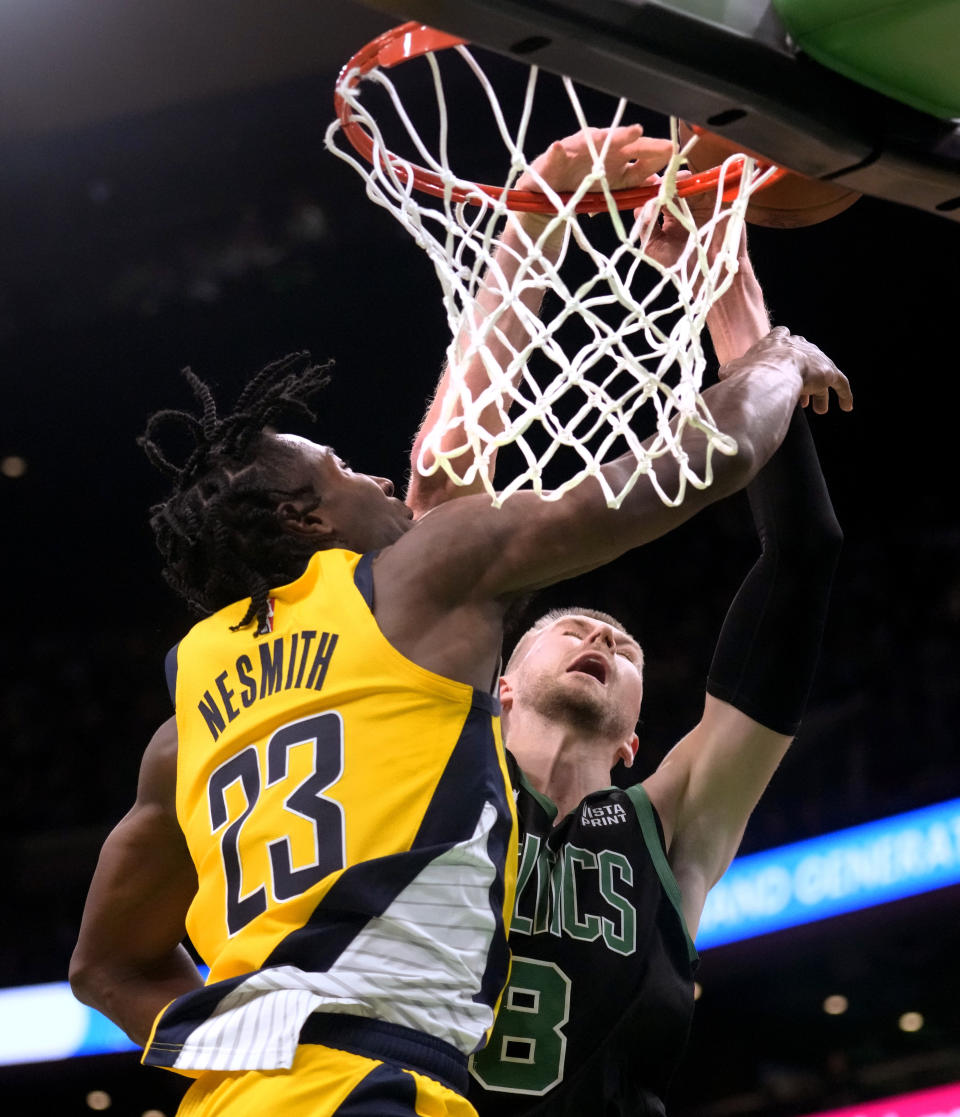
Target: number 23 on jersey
<point>322,735</point>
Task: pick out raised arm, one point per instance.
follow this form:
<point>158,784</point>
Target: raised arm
<point>760,677</point>
<point>129,961</point>
<point>707,787</point>
<point>524,244</point>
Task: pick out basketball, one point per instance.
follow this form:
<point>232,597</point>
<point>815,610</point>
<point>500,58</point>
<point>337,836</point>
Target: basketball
<point>791,203</point>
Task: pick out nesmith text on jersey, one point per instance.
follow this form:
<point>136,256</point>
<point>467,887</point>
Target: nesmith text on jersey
<point>300,659</point>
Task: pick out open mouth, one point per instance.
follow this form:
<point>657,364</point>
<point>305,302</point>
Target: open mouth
<point>593,665</point>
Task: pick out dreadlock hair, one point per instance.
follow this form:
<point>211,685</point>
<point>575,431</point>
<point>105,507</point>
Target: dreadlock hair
<point>219,532</point>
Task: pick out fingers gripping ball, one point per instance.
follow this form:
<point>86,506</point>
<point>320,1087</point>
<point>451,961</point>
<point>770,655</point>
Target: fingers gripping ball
<point>792,203</point>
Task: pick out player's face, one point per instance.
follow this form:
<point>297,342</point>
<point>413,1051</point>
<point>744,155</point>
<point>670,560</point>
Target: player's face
<point>584,672</point>
<point>358,508</point>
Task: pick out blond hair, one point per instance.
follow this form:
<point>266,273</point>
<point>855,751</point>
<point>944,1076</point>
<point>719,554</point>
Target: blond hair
<point>554,615</point>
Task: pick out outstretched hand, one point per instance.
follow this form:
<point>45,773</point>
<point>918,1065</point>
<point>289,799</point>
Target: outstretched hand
<point>819,374</point>
<point>631,160</point>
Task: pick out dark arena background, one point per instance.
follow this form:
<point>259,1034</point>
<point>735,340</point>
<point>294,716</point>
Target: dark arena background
<point>167,200</point>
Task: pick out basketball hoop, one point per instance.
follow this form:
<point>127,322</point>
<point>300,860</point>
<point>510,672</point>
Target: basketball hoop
<point>638,345</point>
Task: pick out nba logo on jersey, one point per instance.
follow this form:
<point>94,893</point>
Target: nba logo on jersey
<point>267,626</point>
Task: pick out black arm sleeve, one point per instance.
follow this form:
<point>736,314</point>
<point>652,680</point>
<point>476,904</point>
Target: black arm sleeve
<point>768,647</point>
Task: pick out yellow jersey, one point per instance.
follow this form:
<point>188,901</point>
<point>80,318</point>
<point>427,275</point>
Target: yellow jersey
<point>350,819</point>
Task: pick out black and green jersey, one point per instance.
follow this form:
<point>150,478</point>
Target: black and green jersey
<point>595,1017</point>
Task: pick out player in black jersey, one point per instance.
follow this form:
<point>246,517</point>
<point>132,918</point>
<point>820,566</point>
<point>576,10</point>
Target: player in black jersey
<point>612,883</point>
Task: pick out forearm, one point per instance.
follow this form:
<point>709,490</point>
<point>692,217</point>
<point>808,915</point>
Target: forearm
<point>129,962</point>
<point>768,648</point>
<point>510,293</point>
<point>133,996</point>
<point>739,318</point>
<point>753,404</point>
<point>497,326</point>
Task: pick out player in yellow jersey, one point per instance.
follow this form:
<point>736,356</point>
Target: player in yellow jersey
<point>328,813</point>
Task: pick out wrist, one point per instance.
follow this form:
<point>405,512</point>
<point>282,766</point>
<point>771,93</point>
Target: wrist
<point>534,225</point>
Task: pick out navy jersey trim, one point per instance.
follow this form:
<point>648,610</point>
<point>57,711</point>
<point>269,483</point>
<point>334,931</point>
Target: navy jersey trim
<point>651,836</point>
<point>364,891</point>
<point>387,1091</point>
<point>486,703</point>
<point>363,580</point>
<point>170,671</point>
<point>377,1039</point>
<point>363,577</point>
<point>180,1018</point>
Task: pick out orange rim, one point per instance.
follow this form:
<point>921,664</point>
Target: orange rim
<point>412,40</point>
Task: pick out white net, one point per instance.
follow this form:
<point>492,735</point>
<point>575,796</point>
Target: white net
<point>611,363</point>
